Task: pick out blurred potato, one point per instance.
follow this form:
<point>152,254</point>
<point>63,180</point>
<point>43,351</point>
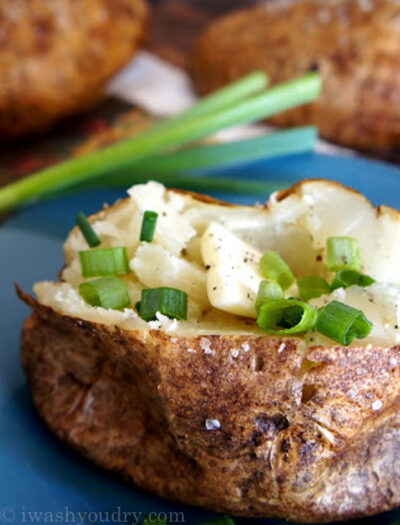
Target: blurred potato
<point>56,55</point>
<point>354,44</point>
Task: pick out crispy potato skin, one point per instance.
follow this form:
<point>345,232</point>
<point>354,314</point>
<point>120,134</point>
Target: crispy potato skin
<point>56,56</point>
<point>137,404</point>
<point>355,46</point>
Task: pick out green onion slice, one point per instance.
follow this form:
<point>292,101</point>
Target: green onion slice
<point>343,254</point>
<point>268,290</point>
<point>342,323</point>
<point>287,316</point>
<point>312,286</point>
<point>87,230</point>
<point>346,278</point>
<point>104,261</point>
<point>168,301</point>
<point>148,226</point>
<point>108,292</point>
<point>273,267</point>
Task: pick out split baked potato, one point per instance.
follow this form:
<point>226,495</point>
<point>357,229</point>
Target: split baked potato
<point>354,45</point>
<point>213,410</point>
<point>55,56</point>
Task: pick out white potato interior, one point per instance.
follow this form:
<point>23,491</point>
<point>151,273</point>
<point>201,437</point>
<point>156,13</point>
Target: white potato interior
<point>181,255</point>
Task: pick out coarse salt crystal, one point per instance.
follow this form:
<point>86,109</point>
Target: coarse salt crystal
<point>352,393</point>
<point>235,353</point>
<point>339,294</point>
<point>212,424</point>
<point>377,405</point>
<point>206,346</point>
<point>281,348</point>
<point>129,314</point>
<point>191,350</point>
<point>169,325</point>
<point>245,347</point>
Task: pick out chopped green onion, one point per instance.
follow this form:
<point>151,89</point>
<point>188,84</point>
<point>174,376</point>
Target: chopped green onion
<point>343,254</point>
<point>104,261</point>
<point>168,301</point>
<point>87,230</point>
<point>159,138</point>
<point>225,520</point>
<point>346,278</point>
<point>312,286</point>
<point>342,323</point>
<point>148,226</point>
<point>108,292</point>
<point>273,267</point>
<point>266,291</point>
<point>287,317</point>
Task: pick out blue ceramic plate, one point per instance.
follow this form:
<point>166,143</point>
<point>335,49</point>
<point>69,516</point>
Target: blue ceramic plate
<point>43,481</point>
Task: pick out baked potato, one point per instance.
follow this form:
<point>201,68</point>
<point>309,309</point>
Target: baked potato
<point>55,57</point>
<point>354,45</point>
<point>212,410</point>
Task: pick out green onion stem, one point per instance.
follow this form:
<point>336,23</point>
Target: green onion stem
<point>342,323</point>
<point>168,301</point>
<point>343,253</point>
<point>273,267</point>
<point>107,292</point>
<point>287,142</point>
<point>287,317</point>
<point>261,189</point>
<point>267,291</point>
<point>346,278</point>
<point>223,98</point>
<point>104,261</point>
<point>148,225</point>
<point>312,286</point>
<point>159,138</point>
<point>87,230</point>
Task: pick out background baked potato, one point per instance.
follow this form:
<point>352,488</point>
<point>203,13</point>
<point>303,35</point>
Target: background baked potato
<point>56,56</point>
<point>355,46</point>
<point>212,411</point>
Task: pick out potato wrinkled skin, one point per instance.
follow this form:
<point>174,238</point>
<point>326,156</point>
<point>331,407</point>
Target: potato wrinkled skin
<point>354,45</point>
<point>55,57</point>
<point>293,441</point>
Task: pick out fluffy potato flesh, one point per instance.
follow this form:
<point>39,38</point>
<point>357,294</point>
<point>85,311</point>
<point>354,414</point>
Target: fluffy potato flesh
<point>211,251</point>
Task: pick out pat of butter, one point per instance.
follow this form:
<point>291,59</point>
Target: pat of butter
<point>233,274</point>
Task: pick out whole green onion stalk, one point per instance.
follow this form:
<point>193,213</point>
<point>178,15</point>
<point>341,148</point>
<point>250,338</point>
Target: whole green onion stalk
<point>174,133</point>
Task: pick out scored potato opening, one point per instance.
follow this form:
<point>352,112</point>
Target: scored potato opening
<point>211,251</point>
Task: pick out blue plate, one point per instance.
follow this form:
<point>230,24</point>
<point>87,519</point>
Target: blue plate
<point>43,481</point>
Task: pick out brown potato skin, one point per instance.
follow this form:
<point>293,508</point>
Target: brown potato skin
<point>355,45</point>
<point>137,404</point>
<point>56,56</point>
